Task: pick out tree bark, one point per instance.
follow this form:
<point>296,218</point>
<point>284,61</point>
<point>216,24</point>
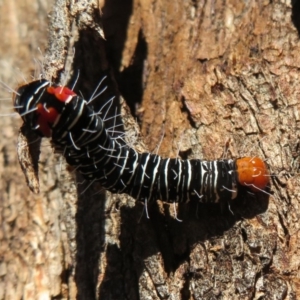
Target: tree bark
<point>204,80</point>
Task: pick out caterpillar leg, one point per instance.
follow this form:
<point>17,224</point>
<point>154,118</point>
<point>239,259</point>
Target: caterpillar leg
<point>175,212</point>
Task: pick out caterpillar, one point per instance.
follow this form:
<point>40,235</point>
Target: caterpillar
<point>58,113</point>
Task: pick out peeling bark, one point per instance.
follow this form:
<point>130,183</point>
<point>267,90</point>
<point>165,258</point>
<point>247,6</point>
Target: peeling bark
<point>205,80</point>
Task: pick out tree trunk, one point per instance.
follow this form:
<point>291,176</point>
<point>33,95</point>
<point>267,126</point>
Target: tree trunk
<point>205,80</point>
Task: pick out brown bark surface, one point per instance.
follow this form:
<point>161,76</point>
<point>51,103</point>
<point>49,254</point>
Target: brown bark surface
<point>205,80</point>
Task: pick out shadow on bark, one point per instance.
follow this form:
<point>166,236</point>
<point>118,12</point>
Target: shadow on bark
<point>143,238</point>
<point>296,14</point>
<point>130,79</point>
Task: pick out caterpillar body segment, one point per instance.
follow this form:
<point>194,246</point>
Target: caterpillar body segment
<point>58,113</point>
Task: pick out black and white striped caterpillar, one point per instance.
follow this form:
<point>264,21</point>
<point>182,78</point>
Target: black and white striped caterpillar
<point>58,113</point>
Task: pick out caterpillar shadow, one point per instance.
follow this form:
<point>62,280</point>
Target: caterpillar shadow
<point>144,243</point>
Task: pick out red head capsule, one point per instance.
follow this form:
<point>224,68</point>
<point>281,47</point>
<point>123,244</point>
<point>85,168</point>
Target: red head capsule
<point>61,93</point>
<point>48,115</point>
<point>253,173</point>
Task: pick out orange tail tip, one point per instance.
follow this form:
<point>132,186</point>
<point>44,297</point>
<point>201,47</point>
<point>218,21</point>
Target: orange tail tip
<point>253,173</point>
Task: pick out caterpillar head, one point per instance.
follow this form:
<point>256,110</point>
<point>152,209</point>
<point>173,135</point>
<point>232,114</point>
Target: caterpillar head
<point>39,103</point>
<point>252,173</point>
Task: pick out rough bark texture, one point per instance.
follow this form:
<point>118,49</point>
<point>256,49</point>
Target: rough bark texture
<point>206,79</point>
